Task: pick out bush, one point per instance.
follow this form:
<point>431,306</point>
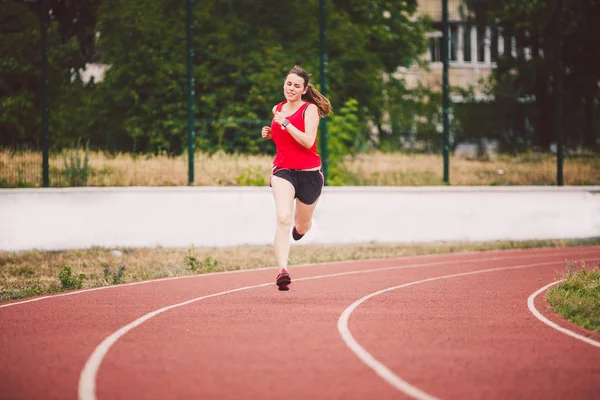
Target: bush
<point>69,281</point>
<point>115,277</point>
<point>195,265</point>
<point>344,130</point>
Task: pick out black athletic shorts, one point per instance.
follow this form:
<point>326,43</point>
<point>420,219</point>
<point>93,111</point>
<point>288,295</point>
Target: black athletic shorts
<point>308,184</point>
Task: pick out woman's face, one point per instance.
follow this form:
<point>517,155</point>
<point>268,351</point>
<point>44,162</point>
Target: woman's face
<point>293,87</point>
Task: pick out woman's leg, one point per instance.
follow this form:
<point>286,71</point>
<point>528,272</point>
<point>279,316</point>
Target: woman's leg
<point>283,193</point>
<point>303,216</point>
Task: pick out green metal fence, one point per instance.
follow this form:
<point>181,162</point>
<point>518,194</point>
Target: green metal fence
<point>232,144</point>
<point>468,96</point>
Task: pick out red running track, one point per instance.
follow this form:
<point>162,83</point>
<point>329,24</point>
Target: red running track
<point>454,326</point>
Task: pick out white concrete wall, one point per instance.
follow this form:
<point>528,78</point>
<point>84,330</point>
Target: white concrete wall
<point>228,216</point>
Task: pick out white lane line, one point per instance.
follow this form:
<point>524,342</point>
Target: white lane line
<point>74,292</point>
<point>380,369</point>
<point>484,253</point>
<point>538,315</point>
<point>87,379</point>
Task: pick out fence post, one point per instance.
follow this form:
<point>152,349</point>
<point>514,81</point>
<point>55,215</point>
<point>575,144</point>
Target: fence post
<point>323,37</point>
<point>559,94</point>
<point>445,91</point>
<point>191,89</point>
<point>45,106</point>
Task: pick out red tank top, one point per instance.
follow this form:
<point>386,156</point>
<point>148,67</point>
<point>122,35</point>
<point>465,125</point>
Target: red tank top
<point>289,153</point>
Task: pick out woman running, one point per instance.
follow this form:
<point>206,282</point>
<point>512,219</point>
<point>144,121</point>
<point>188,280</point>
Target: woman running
<point>296,175</point>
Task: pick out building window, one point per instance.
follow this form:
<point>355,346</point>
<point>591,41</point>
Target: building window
<point>435,47</point>
<point>467,43</point>
<point>435,44</point>
<point>453,42</point>
<point>508,45</point>
<point>481,44</point>
<point>494,44</point>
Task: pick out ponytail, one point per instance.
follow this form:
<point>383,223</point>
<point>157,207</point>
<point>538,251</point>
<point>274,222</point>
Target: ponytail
<point>312,95</point>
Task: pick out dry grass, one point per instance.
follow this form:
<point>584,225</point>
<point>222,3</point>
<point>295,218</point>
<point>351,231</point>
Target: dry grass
<point>380,169</point>
<point>30,273</point>
<point>23,169</point>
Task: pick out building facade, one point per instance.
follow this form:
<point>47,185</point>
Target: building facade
<point>473,50</point>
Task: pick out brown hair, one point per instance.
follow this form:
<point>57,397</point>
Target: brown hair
<point>312,95</point>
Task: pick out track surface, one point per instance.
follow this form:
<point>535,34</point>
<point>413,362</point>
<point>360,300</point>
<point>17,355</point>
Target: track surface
<point>446,326</point>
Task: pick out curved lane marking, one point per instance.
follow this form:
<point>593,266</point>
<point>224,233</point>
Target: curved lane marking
<point>538,315</point>
<point>379,368</point>
<point>87,379</point>
<point>15,303</point>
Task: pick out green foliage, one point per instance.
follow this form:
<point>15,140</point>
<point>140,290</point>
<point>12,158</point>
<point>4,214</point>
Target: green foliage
<point>501,119</point>
<point>577,297</point>
<point>252,176</point>
<point>4,183</point>
<point>76,171</point>
<point>233,136</point>
<point>19,106</point>
<point>70,46</point>
<point>239,67</point>
<point>208,264</point>
<point>14,291</point>
<point>344,130</point>
<point>114,277</point>
<point>69,281</point>
<point>415,120</point>
<point>529,76</point>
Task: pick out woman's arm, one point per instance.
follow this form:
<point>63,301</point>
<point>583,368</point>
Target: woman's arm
<point>311,125</point>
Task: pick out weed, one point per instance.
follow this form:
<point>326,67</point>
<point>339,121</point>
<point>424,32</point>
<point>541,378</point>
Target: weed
<point>69,281</point>
<point>114,277</point>
<point>208,264</point>
<point>76,170</point>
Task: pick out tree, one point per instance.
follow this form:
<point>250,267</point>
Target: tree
<point>19,119</point>
<point>243,49</point>
<point>533,25</point>
<point>70,37</point>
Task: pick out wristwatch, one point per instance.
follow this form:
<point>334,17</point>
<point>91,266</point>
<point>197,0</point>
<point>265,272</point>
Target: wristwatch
<point>284,124</point>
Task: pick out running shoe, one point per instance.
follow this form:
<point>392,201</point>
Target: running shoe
<point>296,235</point>
<point>283,280</point>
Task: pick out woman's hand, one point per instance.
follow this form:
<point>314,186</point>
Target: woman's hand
<point>266,132</point>
<point>279,118</point>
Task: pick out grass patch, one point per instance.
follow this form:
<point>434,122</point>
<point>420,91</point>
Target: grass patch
<point>98,168</point>
<point>577,297</point>
<point>31,273</point>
